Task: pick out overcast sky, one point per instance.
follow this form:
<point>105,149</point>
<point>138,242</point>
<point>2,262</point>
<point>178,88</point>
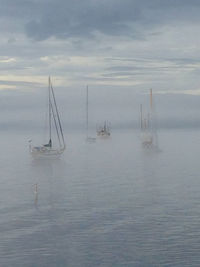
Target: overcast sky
<point>128,45</point>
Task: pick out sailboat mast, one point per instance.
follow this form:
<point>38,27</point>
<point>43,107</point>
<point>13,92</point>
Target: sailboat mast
<point>151,110</point>
<point>49,110</point>
<point>151,99</point>
<point>59,122</point>
<point>148,120</point>
<point>87,111</point>
<point>141,117</point>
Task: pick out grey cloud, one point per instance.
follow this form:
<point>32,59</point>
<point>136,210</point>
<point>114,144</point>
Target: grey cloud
<point>83,18</point>
<point>76,18</point>
<point>155,60</point>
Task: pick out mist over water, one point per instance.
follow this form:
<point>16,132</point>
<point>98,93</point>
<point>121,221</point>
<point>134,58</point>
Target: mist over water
<point>27,111</point>
<point>110,203</point>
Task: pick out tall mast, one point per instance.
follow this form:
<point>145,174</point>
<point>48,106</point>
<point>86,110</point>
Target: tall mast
<point>151,99</point>
<point>49,109</point>
<point>87,110</point>
<point>148,120</point>
<point>145,123</point>
<point>141,117</point>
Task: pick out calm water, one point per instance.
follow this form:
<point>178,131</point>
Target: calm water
<point>110,203</point>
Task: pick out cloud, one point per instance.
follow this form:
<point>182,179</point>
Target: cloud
<point>65,19</point>
<point>82,19</point>
<point>138,43</point>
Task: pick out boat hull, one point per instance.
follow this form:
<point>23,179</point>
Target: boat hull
<point>43,152</point>
<point>147,139</point>
<point>103,134</point>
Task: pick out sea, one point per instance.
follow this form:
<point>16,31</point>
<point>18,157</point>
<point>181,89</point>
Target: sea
<point>107,203</point>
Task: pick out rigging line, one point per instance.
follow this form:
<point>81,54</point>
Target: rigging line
<point>46,119</point>
<point>87,110</point>
<point>55,122</point>
<point>57,115</point>
<point>49,110</point>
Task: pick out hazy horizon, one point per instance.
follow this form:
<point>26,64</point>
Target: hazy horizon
<point>27,110</point>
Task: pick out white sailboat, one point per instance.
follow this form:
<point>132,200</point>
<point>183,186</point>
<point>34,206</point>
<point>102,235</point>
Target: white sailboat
<point>50,150</point>
<point>103,131</point>
<point>88,138</point>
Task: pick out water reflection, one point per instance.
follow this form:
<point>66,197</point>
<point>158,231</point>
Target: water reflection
<point>36,194</point>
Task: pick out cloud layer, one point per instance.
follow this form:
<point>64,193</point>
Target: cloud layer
<point>111,45</point>
<point>67,18</point>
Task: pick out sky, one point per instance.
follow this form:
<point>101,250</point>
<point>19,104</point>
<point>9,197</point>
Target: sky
<point>119,48</point>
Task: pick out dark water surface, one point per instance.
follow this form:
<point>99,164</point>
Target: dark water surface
<point>110,203</point>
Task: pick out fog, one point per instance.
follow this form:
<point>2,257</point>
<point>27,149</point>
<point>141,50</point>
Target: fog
<point>110,201</point>
<point>120,107</point>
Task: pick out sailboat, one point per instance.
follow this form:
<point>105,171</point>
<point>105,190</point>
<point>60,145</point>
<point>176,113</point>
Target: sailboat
<point>88,138</point>
<point>146,135</point>
<point>147,125</point>
<point>54,122</point>
<point>103,131</point>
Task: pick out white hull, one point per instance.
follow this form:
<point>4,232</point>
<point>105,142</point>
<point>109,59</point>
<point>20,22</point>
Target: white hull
<point>43,152</point>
